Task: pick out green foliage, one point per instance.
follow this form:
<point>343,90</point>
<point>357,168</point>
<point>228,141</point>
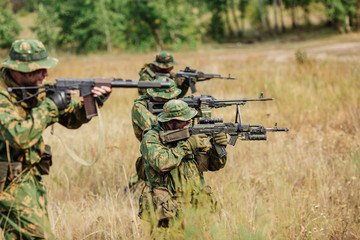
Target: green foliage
<point>217,24</point>
<point>45,26</point>
<point>150,25</point>
<point>339,12</point>
<point>243,4</point>
<point>255,15</point>
<point>301,56</point>
<point>84,26</point>
<point>9,27</point>
<point>80,26</point>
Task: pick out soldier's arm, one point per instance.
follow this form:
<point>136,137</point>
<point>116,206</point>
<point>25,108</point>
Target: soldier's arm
<point>183,85</point>
<point>23,133</point>
<point>160,157</point>
<point>144,77</point>
<point>73,116</point>
<point>141,119</point>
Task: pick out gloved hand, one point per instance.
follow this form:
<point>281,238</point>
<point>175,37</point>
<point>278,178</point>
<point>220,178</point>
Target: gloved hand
<point>60,98</point>
<point>196,141</point>
<point>221,139</point>
<point>102,98</point>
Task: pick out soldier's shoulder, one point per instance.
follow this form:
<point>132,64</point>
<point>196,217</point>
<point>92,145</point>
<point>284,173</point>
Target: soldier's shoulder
<point>4,92</point>
<point>141,101</point>
<point>153,131</point>
<point>147,71</point>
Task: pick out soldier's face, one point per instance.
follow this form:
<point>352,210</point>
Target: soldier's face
<point>159,99</point>
<point>176,124</point>
<point>163,70</point>
<point>34,78</point>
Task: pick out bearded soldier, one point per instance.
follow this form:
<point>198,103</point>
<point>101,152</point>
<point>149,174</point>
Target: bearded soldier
<point>24,157</point>
<point>142,118</point>
<point>175,169</point>
<point>162,66</point>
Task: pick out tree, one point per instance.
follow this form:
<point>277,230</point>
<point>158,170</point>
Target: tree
<point>243,4</point>
<point>79,25</point>
<point>150,24</point>
<point>217,25</point>
<point>341,13</point>
<point>9,27</point>
<point>233,11</point>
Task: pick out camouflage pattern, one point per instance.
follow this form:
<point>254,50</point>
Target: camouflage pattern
<point>27,55</point>
<point>174,167</point>
<point>141,117</point>
<point>23,204</point>
<point>164,60</point>
<point>176,110</point>
<point>146,73</point>
<point>166,93</point>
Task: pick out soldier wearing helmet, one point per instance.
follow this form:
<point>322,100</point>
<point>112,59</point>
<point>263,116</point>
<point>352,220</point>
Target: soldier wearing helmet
<point>142,118</point>
<point>161,66</point>
<point>24,157</point>
<point>175,169</point>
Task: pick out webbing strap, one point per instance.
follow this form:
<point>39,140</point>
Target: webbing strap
<point>74,156</point>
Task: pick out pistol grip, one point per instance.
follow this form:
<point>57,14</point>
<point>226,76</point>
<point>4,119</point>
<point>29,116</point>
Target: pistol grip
<point>192,86</point>
<point>90,107</point>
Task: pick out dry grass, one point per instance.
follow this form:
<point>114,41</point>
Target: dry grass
<point>300,185</point>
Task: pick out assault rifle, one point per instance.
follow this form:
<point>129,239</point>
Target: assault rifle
<point>204,103</point>
<point>85,85</point>
<point>192,76</point>
<point>209,126</point>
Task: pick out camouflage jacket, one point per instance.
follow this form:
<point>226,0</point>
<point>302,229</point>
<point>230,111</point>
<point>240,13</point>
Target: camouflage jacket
<point>147,73</point>
<point>22,124</point>
<point>141,117</point>
<point>174,166</point>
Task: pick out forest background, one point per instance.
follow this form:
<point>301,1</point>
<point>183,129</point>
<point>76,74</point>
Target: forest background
<point>303,184</point>
<point>83,26</point>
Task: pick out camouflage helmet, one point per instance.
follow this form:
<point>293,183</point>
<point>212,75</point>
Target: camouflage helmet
<point>28,55</point>
<point>164,60</point>
<point>176,110</point>
<point>166,93</point>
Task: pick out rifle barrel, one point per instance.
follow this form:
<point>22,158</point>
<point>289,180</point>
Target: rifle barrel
<point>139,84</point>
<point>25,88</point>
<point>243,100</point>
<point>277,129</point>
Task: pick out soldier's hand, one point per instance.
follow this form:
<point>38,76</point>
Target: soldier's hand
<point>60,98</point>
<point>196,141</point>
<point>101,94</point>
<point>221,139</point>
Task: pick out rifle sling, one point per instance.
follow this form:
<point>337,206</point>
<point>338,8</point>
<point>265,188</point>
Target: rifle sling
<point>74,156</point>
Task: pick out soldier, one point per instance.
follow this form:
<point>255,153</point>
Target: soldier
<point>162,66</point>
<point>142,118</point>
<point>24,157</point>
<point>175,169</point>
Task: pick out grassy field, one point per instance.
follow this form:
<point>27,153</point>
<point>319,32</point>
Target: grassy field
<point>304,184</point>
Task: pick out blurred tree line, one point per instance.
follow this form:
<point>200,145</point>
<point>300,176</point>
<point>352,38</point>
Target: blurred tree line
<point>85,25</point>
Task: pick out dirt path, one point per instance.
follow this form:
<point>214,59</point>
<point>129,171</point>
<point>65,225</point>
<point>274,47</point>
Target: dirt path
<point>345,51</point>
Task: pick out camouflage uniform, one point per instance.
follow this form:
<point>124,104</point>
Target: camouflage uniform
<point>23,201</point>
<point>162,60</point>
<point>142,118</point>
<point>172,169</point>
